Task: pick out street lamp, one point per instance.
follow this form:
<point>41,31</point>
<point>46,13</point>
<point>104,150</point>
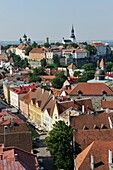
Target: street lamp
<point>5,131</point>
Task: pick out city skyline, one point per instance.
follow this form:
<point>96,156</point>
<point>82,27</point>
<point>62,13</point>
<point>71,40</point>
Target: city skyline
<point>54,19</point>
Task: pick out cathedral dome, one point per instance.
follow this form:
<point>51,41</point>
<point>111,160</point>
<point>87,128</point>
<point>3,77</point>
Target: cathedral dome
<point>100,74</point>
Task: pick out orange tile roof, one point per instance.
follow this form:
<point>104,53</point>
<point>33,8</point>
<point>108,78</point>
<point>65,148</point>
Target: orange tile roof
<point>56,92</point>
<point>22,47</point>
<point>47,77</point>
<point>96,44</point>
<point>91,89</point>
<point>72,66</point>
<point>37,50</point>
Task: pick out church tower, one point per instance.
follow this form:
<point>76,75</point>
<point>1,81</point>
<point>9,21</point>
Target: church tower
<point>72,37</point>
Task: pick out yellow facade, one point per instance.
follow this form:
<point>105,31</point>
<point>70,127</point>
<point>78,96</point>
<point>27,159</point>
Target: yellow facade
<point>35,114</point>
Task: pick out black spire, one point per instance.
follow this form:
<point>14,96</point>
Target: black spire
<point>72,33</point>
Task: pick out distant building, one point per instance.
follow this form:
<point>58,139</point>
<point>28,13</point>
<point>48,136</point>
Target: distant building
<point>72,38</point>
<point>101,48</point>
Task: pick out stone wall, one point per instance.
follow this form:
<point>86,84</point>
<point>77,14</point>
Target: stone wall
<point>96,100</point>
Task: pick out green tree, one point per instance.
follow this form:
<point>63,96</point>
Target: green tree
<point>74,45</point>
<point>43,62</point>
<point>91,49</point>
<point>89,66</point>
<point>58,81</point>
<point>59,142</point>
<point>34,45</point>
<point>28,49</point>
<point>76,73</point>
<point>86,76</point>
<point>34,78</point>
<point>109,66</point>
<point>46,45</point>
<point>56,60</point>
<point>38,71</point>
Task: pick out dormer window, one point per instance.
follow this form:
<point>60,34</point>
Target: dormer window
<point>80,92</point>
<point>104,92</point>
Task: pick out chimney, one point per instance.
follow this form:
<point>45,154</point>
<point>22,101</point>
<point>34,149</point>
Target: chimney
<point>109,156</point>
<point>1,157</point>
<point>83,110</point>
<point>16,157</point>
<point>42,90</point>
<point>92,162</point>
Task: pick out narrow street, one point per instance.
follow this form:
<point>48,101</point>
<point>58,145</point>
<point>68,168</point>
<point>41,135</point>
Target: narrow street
<point>45,154</point>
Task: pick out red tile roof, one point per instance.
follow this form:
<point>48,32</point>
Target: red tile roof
<point>90,121</point>
<point>63,106</point>
<point>16,158</point>
<point>99,150</point>
<point>107,104</point>
<point>91,89</point>
<point>84,138</point>
<point>23,89</point>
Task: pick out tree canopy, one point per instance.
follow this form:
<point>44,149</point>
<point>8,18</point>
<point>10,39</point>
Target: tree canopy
<point>43,62</point>
<point>88,66</point>
<point>91,49</point>
<point>59,143</point>
<point>58,80</point>
<point>109,66</point>
<point>86,76</point>
<point>56,60</point>
<point>18,62</point>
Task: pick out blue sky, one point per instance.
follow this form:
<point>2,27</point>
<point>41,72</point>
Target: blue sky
<point>92,20</point>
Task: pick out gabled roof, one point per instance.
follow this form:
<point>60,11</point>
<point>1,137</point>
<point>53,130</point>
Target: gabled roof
<point>85,137</point>
<point>91,89</point>
<point>27,98</point>
<point>50,106</point>
<point>72,66</point>
<point>99,150</point>
<point>63,106</point>
<point>91,121</point>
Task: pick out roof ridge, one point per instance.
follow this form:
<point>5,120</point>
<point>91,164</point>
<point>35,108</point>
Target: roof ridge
<point>83,154</point>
